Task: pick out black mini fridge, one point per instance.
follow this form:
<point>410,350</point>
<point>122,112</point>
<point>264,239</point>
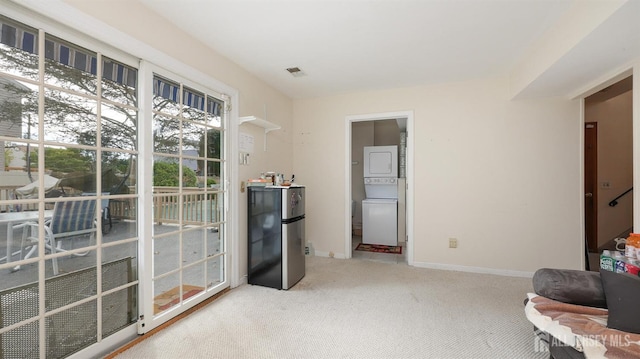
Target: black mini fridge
<point>276,236</point>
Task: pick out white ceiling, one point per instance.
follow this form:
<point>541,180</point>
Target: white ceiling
<point>354,45</point>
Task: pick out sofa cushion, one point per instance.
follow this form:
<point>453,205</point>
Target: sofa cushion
<point>570,286</point>
<point>583,328</point>
<point>622,291</point>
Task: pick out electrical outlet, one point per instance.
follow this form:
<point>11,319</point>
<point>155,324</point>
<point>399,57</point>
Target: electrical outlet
<point>453,243</point>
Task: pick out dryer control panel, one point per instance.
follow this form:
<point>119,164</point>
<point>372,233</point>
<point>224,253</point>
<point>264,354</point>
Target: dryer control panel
<point>380,180</point>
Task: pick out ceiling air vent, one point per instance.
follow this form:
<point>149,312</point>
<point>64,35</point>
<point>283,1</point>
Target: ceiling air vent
<point>296,72</point>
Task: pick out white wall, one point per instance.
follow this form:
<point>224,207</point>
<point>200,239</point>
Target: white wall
<point>362,134</point>
<point>501,176</point>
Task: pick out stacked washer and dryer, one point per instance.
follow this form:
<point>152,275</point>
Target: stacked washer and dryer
<point>380,207</point>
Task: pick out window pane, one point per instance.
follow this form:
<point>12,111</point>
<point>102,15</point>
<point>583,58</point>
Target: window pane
<point>166,208</point>
<point>214,144</point>
<point>18,49</point>
<point>117,169</point>
<point>192,139</point>
<point>194,105</point>
<point>215,271</point>
<point>213,173</point>
<point>73,329</point>
<point>69,66</point>
<point>69,118</point>
<point>214,244</point>
<point>193,114</point>
<point>118,265</point>
<point>74,167</point>
<point>165,254</point>
<point>196,208</point>
<point>192,246</point>
<point>76,280</point>
<point>214,206</point>
<point>119,309</point>
<point>19,108</point>
<point>119,82</point>
<point>166,173</point>
<point>166,293</point>
<point>15,157</point>
<point>166,96</point>
<point>189,168</point>
<point>166,134</point>
<point>119,127</point>
<point>193,279</point>
<point>215,108</point>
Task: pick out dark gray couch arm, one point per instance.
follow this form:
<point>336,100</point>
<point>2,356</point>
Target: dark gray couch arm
<point>570,286</point>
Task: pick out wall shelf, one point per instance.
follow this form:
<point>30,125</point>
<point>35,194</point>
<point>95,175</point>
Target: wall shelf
<point>257,121</point>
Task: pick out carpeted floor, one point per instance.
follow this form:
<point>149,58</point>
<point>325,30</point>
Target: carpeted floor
<point>358,309</point>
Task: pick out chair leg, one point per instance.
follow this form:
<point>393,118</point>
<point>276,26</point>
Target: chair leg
<point>25,233</point>
<point>54,260</point>
<point>25,238</point>
<point>106,218</point>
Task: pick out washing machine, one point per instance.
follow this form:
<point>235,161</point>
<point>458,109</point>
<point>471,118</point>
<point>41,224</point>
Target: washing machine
<point>380,221</point>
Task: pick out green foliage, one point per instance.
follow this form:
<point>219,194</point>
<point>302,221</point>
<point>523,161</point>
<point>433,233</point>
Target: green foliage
<point>65,160</point>
<point>167,174</point>
<point>8,156</point>
<point>214,150</point>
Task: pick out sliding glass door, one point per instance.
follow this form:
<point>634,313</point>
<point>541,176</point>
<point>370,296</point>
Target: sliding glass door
<point>68,194</point>
<point>112,194</point>
<point>188,246</point>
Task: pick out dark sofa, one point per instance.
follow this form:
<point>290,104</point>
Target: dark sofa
<point>573,305</point>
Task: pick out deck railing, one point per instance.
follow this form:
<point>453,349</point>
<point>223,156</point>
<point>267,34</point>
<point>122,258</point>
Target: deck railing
<point>197,207</point>
<point>7,193</point>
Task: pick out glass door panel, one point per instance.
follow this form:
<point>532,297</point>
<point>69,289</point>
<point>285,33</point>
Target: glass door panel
<point>188,196</point>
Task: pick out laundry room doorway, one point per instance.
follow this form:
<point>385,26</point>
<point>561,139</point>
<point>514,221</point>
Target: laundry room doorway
<point>366,208</point>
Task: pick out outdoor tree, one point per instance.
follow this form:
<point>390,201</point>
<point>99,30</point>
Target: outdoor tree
<point>8,157</point>
<point>167,174</point>
<point>68,118</point>
<point>67,160</point>
<point>213,150</point>
<point>71,113</point>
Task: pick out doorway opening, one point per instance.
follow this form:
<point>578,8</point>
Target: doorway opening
<point>383,129</point>
<point>608,168</point>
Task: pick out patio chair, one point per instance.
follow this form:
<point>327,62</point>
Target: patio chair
<point>105,213</point>
<point>70,220</point>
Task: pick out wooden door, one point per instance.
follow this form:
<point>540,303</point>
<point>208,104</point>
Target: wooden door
<point>590,185</point>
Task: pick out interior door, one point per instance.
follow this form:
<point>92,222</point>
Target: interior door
<point>590,185</point>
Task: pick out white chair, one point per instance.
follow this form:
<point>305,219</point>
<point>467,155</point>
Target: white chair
<point>70,220</point>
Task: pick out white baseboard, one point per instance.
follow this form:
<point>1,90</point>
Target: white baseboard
<point>450,267</point>
<point>460,268</point>
<point>330,255</point>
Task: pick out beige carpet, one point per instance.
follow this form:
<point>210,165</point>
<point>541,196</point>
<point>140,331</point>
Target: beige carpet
<point>358,309</point>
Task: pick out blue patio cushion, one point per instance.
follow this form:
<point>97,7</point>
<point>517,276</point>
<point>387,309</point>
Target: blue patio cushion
<point>73,216</point>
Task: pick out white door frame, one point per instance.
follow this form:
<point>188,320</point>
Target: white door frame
<point>408,115</point>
